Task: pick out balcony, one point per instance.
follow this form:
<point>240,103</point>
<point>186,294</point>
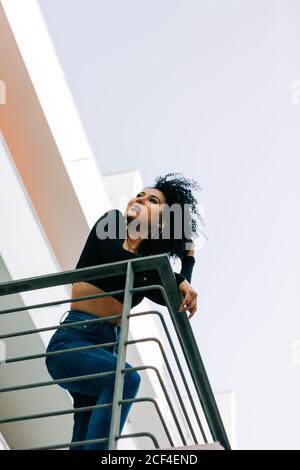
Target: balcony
<point>193,423</point>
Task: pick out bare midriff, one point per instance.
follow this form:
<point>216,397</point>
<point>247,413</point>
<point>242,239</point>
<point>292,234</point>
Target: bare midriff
<point>100,307</point>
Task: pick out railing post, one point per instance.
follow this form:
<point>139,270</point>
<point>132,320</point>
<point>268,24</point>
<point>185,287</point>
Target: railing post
<point>119,381</point>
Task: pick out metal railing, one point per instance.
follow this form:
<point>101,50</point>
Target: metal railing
<point>184,334</point>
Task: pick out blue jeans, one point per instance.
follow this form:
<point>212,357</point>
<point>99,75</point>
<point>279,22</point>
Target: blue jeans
<point>94,424</point>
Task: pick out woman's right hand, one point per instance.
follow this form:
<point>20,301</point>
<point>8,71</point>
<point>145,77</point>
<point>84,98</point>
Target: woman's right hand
<point>189,298</point>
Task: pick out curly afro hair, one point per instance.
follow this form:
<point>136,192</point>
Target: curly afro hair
<point>177,190</point>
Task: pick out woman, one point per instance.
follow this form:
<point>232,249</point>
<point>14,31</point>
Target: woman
<point>127,242</point>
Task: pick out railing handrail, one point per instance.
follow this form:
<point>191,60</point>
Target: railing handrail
<point>84,274</point>
<point>171,295</point>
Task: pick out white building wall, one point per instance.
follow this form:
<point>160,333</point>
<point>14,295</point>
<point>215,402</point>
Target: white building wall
<point>51,194</point>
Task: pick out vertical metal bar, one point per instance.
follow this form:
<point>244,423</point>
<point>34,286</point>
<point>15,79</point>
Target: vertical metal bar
<point>119,382</point>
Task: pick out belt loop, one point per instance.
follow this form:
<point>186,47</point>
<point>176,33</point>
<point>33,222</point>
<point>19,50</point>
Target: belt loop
<point>67,311</point>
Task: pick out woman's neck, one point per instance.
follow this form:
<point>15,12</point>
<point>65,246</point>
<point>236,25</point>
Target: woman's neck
<point>131,244</point>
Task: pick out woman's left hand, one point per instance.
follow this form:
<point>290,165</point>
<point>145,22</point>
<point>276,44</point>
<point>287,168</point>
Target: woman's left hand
<point>189,298</point>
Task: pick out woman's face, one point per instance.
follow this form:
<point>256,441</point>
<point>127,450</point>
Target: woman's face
<point>147,205</point>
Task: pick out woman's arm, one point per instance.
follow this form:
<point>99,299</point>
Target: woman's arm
<point>152,277</point>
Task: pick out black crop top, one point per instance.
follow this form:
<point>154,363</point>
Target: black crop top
<point>107,250</point>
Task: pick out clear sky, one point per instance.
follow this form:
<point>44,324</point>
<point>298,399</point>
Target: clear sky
<point>210,88</point>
